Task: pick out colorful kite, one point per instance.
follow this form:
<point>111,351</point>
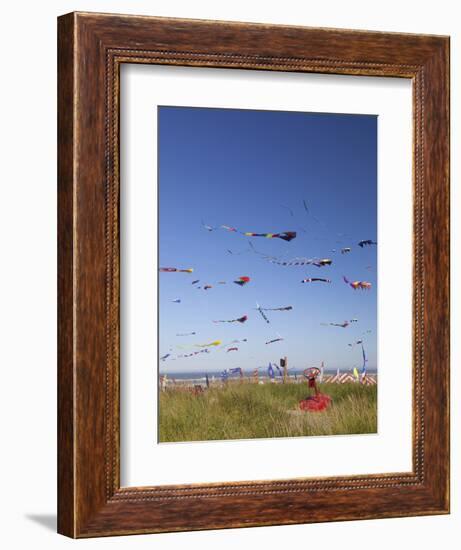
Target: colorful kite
<point>239,320</point>
<point>231,229</point>
<point>367,242</point>
<point>285,235</point>
<point>214,343</point>
<point>175,270</point>
<point>242,281</point>
<point>362,285</point>
<point>323,262</point>
<point>316,279</point>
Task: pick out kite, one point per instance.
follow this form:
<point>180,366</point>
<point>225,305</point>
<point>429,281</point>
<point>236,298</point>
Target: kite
<point>367,242</point>
<point>342,325</point>
<point>345,250</point>
<point>242,281</point>
<point>206,287</point>
<point>322,262</point>
<point>284,235</point>
<point>239,341</point>
<point>208,227</point>
<point>293,262</point>
<point>318,262</point>
<point>279,339</point>
<point>239,320</point>
<point>270,371</point>
<point>177,301</point>
<point>214,343</point>
<point>356,373</point>
<point>300,261</point>
<point>263,315</point>
<point>222,283</point>
<point>165,357</point>
<point>232,349</point>
<point>316,279</point>
<point>193,353</point>
<point>285,308</point>
<point>196,281</point>
<point>262,310</point>
<point>228,228</point>
<point>362,285</point>
<point>175,270</point>
<point>185,333</point>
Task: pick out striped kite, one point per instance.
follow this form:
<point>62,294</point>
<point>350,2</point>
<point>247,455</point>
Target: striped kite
<point>241,281</point>
<point>362,285</point>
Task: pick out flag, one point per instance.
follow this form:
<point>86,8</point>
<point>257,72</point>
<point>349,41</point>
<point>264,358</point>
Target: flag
<point>365,360</point>
<point>270,371</point>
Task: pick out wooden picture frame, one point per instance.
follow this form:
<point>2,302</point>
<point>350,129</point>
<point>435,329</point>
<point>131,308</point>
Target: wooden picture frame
<point>92,48</point>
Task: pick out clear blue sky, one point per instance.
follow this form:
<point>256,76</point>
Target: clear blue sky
<point>242,168</point>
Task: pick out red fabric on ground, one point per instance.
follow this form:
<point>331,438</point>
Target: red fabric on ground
<point>315,403</point>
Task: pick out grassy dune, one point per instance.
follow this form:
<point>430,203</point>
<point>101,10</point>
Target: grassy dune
<point>246,411</point>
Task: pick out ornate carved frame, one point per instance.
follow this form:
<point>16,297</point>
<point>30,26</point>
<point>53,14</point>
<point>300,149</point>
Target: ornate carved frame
<point>91,49</point>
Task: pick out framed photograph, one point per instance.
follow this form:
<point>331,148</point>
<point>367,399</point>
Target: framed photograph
<point>253,275</point>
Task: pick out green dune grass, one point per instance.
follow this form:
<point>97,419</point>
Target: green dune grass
<point>247,411</point>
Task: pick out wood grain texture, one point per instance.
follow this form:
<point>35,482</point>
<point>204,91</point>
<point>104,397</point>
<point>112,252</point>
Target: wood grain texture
<point>91,49</point>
